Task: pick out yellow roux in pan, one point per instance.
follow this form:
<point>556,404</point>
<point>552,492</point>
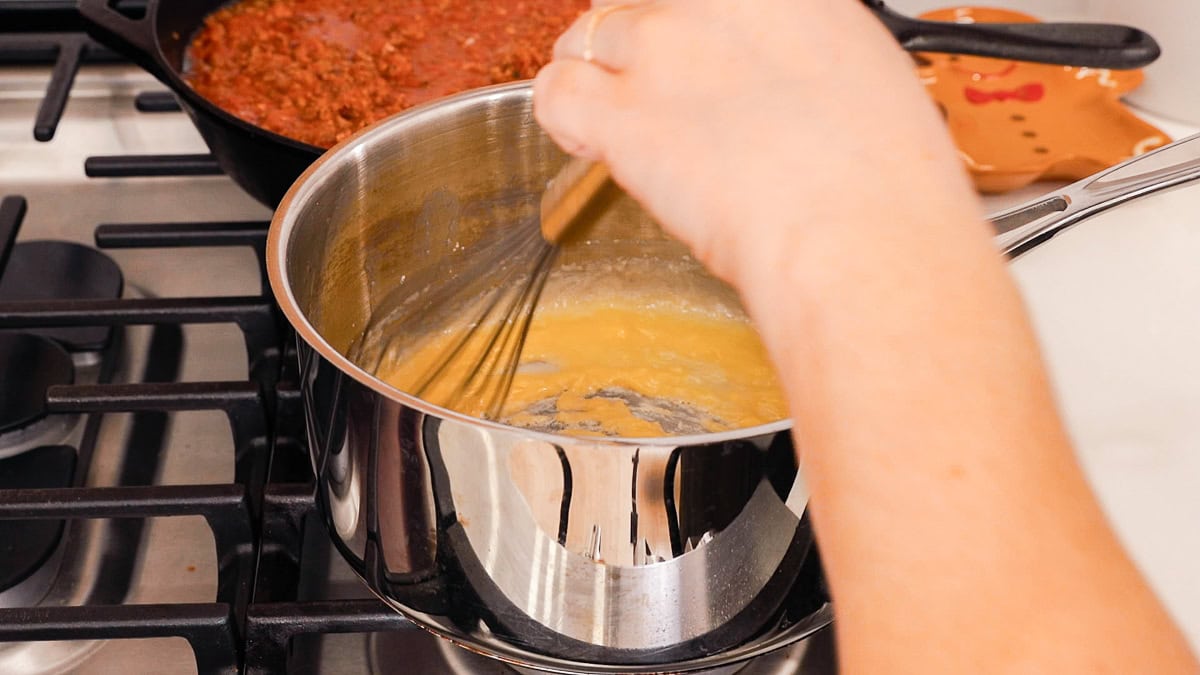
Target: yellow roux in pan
<point>600,368</point>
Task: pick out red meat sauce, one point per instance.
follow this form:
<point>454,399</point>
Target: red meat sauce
<point>319,70</point>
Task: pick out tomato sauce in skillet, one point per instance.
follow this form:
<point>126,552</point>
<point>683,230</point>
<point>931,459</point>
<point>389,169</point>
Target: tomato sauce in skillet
<point>319,70</point>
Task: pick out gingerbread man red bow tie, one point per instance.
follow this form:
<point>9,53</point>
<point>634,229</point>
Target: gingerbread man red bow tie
<point>1028,92</point>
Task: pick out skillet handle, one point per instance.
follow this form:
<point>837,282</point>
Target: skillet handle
<point>1021,228</point>
<point>1094,45</point>
<point>132,38</point>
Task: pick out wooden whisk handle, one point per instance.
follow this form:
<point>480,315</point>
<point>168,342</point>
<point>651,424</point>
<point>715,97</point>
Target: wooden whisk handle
<point>569,193</point>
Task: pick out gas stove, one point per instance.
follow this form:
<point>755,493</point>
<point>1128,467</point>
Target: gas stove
<point>156,500</point>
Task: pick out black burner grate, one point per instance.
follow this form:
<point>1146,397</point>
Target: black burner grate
<point>258,519</point>
<point>50,32</point>
<point>257,522</point>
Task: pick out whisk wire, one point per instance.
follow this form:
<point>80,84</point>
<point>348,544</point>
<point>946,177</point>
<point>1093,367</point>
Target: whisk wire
<point>519,332</point>
<point>502,343</point>
<point>489,346</point>
<point>394,317</point>
<point>497,268</point>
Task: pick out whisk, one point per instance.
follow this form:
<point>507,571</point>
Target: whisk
<point>475,370</point>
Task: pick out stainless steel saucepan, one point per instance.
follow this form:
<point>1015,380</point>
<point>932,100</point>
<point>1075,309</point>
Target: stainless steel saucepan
<point>561,553</point>
<point>558,552</point>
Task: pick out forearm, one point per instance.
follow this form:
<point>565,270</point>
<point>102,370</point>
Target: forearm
<point>943,483</point>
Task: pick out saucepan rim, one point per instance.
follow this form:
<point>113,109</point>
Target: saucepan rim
<point>308,186</point>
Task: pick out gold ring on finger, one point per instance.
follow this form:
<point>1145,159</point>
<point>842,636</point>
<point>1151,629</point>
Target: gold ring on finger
<point>593,23</point>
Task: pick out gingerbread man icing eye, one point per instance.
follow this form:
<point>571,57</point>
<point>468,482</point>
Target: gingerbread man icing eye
<point>1016,122</point>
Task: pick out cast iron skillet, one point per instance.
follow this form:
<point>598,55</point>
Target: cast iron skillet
<point>265,163</point>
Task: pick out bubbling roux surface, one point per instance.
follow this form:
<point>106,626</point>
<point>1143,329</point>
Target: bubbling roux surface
<point>605,368</point>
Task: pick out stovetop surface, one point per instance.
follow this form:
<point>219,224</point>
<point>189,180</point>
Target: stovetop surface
<point>176,561</point>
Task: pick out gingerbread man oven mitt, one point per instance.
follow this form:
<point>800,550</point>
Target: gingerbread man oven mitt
<point>1016,122</point>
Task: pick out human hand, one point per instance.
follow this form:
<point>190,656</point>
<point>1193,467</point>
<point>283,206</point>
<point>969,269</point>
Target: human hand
<point>790,144</point>
<point>744,126</point>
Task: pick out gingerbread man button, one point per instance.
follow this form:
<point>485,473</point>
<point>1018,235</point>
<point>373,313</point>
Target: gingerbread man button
<point>1016,122</point>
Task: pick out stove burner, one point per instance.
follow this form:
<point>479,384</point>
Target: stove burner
<point>30,365</point>
<point>26,545</point>
<point>59,270</point>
